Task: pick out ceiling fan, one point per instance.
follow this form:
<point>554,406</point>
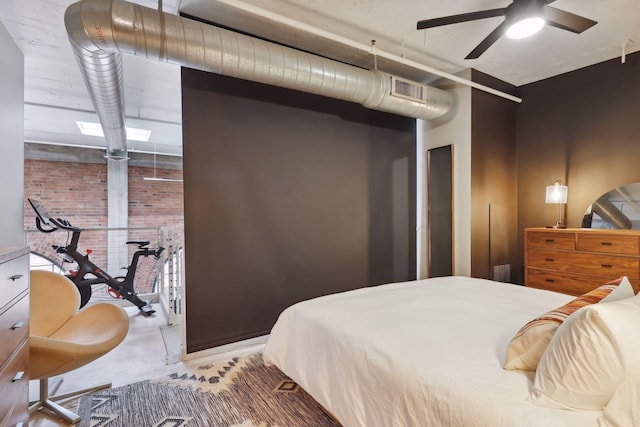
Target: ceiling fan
<point>522,18</point>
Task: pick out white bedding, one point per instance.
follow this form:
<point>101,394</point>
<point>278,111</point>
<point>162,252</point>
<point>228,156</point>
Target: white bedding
<point>423,353</point>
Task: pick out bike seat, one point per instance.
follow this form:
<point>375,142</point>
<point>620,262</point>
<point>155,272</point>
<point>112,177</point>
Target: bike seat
<point>138,242</point>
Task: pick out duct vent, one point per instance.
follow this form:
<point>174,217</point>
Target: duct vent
<point>408,90</point>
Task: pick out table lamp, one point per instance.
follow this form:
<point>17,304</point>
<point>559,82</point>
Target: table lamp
<point>557,193</point>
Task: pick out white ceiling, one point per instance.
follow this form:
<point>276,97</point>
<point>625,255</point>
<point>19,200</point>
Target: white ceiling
<point>55,95</point>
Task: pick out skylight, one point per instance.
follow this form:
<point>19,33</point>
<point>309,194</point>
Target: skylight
<point>94,129</point>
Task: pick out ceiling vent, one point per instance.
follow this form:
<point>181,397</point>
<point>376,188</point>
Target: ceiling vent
<point>408,90</point>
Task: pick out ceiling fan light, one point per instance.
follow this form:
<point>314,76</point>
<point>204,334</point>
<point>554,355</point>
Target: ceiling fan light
<point>525,27</point>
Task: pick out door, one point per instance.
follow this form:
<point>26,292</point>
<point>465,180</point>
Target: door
<point>440,211</point>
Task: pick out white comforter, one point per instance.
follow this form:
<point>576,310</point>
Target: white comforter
<point>424,353</point>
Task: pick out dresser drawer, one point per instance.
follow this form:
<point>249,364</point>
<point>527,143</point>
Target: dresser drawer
<point>608,243</point>
<point>606,266</point>
<point>11,383</point>
<point>14,278</point>
<point>18,412</point>
<point>551,240</point>
<point>564,283</point>
<point>14,327</point>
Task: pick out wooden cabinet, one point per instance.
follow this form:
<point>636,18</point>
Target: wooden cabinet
<point>575,261</point>
<point>14,336</point>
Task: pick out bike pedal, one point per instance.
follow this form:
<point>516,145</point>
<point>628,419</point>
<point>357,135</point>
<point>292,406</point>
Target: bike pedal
<point>147,310</point>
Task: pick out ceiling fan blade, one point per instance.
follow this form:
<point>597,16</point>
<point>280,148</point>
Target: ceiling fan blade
<point>488,41</point>
<point>567,20</point>
<point>464,17</point>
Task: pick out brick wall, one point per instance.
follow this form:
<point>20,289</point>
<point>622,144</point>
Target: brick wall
<point>78,192</point>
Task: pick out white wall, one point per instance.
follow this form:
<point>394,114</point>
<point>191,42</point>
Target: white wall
<point>456,131</point>
<point>12,141</point>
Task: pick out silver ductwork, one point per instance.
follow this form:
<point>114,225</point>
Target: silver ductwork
<point>611,214</point>
<point>100,30</point>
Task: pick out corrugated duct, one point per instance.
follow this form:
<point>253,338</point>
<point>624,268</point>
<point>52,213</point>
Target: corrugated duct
<point>611,214</point>
<point>99,31</point>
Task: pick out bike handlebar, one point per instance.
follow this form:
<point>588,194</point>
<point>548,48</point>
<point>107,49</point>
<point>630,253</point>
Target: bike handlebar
<point>44,218</point>
<point>44,230</point>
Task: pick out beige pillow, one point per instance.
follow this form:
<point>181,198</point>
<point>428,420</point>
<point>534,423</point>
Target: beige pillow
<point>589,356</point>
<point>526,347</point>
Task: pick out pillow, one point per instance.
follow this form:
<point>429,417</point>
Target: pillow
<point>589,356</point>
<point>623,409</point>
<point>526,347</point>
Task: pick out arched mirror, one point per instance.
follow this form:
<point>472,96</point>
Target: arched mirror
<point>616,209</point>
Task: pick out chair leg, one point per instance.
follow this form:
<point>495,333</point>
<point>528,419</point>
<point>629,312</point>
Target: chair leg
<point>45,403</point>
<point>52,386</point>
<point>79,393</point>
<point>49,402</point>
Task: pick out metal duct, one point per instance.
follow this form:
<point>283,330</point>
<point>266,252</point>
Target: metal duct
<point>611,214</point>
<point>100,30</point>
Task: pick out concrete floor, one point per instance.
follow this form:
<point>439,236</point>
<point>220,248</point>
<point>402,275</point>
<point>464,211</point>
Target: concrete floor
<point>142,355</point>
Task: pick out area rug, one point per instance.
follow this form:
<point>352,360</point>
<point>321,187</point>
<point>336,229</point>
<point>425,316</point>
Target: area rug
<point>239,392</point>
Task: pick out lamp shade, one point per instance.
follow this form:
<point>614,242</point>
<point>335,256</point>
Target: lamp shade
<point>557,193</point>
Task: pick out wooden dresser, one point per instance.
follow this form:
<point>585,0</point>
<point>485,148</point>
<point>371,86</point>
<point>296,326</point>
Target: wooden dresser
<point>14,336</point>
<point>576,260</point>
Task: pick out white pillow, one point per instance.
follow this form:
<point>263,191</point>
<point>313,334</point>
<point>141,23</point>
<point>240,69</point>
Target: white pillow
<point>530,342</point>
<point>591,353</point>
<point>623,409</point>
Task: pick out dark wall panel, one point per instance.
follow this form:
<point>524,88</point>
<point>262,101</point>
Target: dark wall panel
<point>493,180</point>
<point>581,127</point>
<point>288,196</point>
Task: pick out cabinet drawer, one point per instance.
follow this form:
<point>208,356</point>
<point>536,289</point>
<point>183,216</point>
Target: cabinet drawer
<point>10,385</point>
<point>19,409</point>
<point>563,283</point>
<point>14,328</point>
<point>608,243</point>
<point>14,278</point>
<point>551,239</point>
<point>606,266</point>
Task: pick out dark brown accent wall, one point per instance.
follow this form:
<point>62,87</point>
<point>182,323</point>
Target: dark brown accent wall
<point>582,127</point>
<point>493,178</point>
<point>288,196</point>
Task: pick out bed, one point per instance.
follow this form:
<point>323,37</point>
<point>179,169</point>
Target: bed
<point>421,353</point>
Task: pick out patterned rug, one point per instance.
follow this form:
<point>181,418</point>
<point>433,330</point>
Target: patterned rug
<point>240,392</point>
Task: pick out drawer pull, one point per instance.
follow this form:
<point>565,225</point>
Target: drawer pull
<point>15,277</point>
<point>606,243</point>
<point>549,280</point>
<point>17,325</point>
<point>17,377</point>
<point>549,240</point>
<point>606,265</point>
<point>549,259</point>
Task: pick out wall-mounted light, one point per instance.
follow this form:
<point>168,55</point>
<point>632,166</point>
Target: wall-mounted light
<point>557,193</point>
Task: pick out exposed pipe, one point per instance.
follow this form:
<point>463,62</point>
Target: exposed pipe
<point>611,214</point>
<point>100,31</point>
<point>258,11</point>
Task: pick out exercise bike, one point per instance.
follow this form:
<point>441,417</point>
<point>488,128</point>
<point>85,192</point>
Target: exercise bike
<point>88,273</point>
